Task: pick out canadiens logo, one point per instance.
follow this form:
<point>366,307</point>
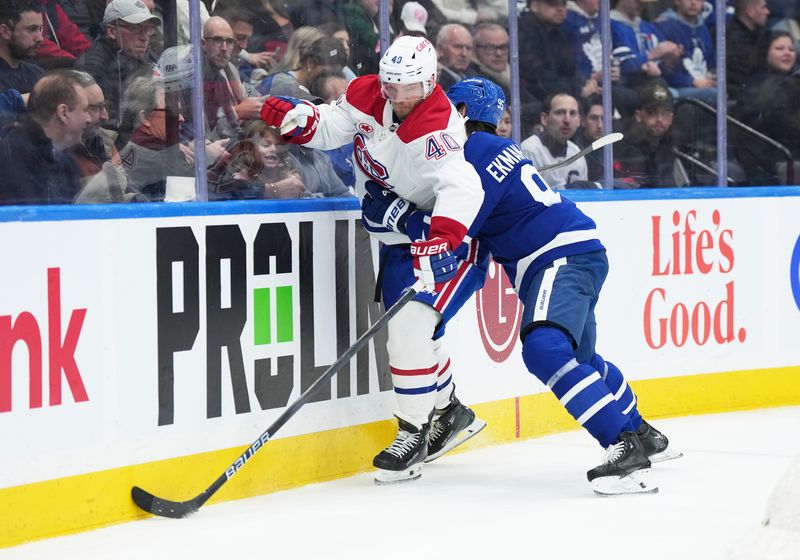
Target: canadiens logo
<point>366,128</point>
<point>372,168</point>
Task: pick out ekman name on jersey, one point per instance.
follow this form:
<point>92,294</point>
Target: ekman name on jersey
<point>504,163</point>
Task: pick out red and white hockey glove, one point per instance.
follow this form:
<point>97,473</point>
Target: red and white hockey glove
<point>434,262</point>
<point>296,119</point>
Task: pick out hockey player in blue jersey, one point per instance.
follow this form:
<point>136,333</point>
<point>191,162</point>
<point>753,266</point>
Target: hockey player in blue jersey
<point>552,255</point>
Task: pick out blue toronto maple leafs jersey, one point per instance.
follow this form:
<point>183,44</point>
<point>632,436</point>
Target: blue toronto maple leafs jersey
<point>523,223</point>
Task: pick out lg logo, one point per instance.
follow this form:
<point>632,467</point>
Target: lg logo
<point>499,314</point>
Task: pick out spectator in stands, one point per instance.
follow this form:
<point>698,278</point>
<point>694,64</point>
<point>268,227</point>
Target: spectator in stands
<point>639,45</point>
<point>241,21</point>
<point>35,168</point>
<point>361,19</point>
<point>414,17</point>
<point>491,60</point>
<point>491,53</point>
<point>591,130</point>
<point>582,28</point>
<point>316,170</point>
<point>62,41</point>
<point>744,32</point>
<point>272,28</point>
<point>79,12</point>
<point>324,54</point>
<point>473,13</point>
<point>314,13</point>
<point>454,49</point>
<point>261,167</point>
<point>299,43</point>
<point>97,144</point>
<point>122,51</point>
<point>20,37</point>
<point>645,158</point>
<point>693,76</point>
<point>328,85</point>
<point>560,119</point>
<point>148,158</point>
<point>771,103</point>
<point>339,32</point>
<point>12,106</point>
<point>226,102</point>
<point>547,61</point>
<point>504,127</point>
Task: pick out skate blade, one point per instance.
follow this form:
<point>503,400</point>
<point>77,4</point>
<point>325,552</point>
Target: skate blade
<point>465,434</point>
<point>383,477</point>
<point>667,455</point>
<point>633,483</point>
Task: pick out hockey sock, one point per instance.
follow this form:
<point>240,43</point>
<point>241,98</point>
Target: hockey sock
<point>412,360</point>
<point>619,387</point>
<point>548,354</point>
<point>444,375</point>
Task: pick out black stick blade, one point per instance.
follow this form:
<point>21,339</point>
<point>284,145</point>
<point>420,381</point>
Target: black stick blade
<point>164,508</point>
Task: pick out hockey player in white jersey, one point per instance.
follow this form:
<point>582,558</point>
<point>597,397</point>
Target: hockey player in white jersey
<point>409,139</point>
<point>552,254</point>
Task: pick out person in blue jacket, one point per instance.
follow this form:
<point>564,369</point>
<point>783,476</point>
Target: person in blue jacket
<point>694,74</point>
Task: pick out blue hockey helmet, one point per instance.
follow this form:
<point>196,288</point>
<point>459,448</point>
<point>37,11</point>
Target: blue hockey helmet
<point>484,99</point>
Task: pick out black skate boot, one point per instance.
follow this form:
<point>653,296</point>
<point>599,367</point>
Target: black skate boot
<point>655,444</point>
<point>623,464</point>
<point>451,427</point>
<point>402,460</point>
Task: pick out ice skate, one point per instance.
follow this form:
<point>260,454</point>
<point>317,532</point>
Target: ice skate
<point>656,445</point>
<point>451,427</point>
<point>624,466</point>
<point>402,460</point>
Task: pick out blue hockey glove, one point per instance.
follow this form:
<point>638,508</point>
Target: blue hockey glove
<point>381,206</point>
<point>434,263</point>
<point>296,119</point>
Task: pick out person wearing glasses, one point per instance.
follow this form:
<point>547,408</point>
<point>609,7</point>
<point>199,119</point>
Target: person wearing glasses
<point>222,86</point>
<point>97,144</point>
<point>491,48</point>
<point>491,53</point>
<point>122,51</point>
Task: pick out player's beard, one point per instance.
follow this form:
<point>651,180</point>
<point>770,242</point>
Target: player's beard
<point>21,53</point>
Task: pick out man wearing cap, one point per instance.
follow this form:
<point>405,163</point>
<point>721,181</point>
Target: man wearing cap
<point>122,51</point>
<point>644,158</point>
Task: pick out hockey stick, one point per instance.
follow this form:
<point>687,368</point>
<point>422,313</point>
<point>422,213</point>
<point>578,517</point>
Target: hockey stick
<point>596,145</point>
<point>167,508</point>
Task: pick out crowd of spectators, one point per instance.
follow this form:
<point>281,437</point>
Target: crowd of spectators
<point>96,95</point>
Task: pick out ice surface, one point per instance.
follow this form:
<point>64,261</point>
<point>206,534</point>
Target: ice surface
<point>526,499</point>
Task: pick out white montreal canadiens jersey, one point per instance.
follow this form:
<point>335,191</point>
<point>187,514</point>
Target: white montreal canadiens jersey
<point>420,159</point>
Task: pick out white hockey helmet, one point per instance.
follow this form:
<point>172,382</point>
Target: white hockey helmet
<point>410,60</point>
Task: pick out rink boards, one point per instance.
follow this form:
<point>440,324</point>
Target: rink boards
<point>149,344</point>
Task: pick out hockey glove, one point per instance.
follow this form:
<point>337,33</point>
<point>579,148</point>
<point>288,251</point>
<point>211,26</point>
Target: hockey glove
<point>434,263</point>
<point>382,207</point>
<point>296,119</point>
